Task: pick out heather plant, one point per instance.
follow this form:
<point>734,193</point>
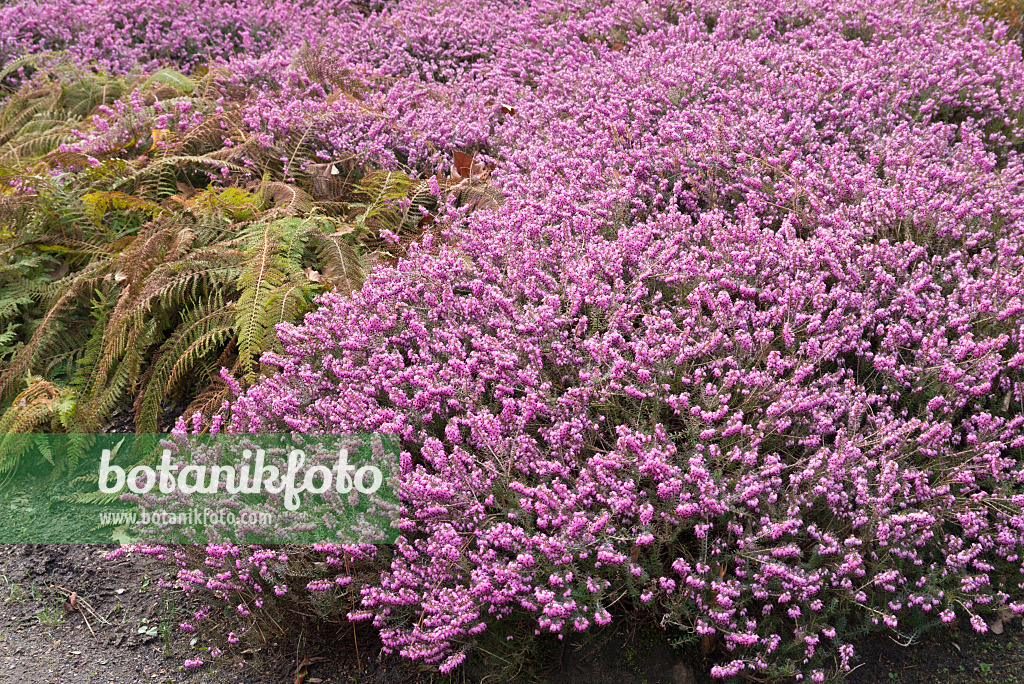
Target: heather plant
<point>741,350</point>
<point>124,36</point>
<point>718,319</point>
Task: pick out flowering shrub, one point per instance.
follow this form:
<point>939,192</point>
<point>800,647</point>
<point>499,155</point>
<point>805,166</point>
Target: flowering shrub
<point>742,349</point>
<point>744,345</point>
<point>123,35</point>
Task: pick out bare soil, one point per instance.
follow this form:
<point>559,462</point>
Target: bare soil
<point>956,655</point>
<point>119,629</point>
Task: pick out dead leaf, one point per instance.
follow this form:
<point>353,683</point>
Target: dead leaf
<point>996,624</point>
<point>314,276</point>
<point>344,230</point>
<point>301,672</point>
<point>159,134</point>
<point>463,164</point>
<point>60,271</point>
<point>618,46</point>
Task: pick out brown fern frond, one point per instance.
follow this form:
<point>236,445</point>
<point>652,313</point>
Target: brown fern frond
<point>39,405</point>
<point>286,200</point>
<point>341,266</point>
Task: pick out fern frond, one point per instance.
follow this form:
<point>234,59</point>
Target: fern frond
<point>339,262</point>
<point>113,379</point>
<point>21,108</point>
<point>203,332</point>
<point>176,163</point>
<point>94,498</point>
<point>169,77</point>
<point>382,192</point>
<point>36,146</point>
<point>97,204</point>
<point>262,275</point>
<point>234,203</point>
<point>38,405</point>
<point>285,199</point>
<point>47,328</point>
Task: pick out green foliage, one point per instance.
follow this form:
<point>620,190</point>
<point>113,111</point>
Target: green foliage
<point>155,313</point>
<point>130,276</point>
<point>133,272</point>
<point>41,405</point>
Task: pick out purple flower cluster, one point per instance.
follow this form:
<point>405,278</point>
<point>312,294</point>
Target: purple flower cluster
<point>743,347</point>
<point>744,344</point>
<point>125,34</point>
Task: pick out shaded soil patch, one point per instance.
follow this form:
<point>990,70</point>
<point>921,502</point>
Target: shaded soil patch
<point>956,655</point>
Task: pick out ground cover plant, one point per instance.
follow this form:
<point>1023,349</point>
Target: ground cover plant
<point>708,313</point>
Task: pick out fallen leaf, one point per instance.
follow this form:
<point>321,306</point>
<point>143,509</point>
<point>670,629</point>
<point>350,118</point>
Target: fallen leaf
<point>302,671</point>
<point>463,164</point>
<point>344,230</point>
<point>159,134</point>
<point>996,624</point>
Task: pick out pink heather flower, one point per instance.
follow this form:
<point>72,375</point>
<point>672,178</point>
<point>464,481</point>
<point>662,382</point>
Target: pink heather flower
<point>752,276</point>
<point>978,624</point>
